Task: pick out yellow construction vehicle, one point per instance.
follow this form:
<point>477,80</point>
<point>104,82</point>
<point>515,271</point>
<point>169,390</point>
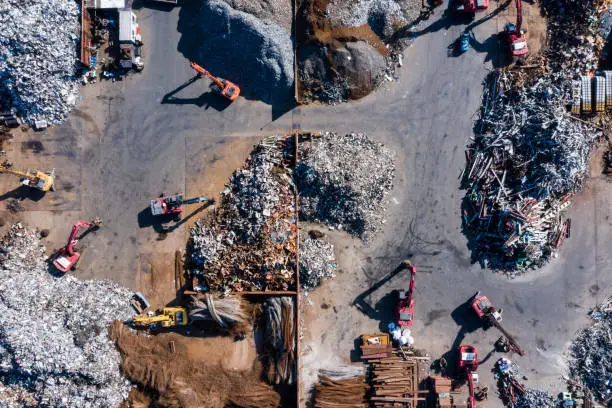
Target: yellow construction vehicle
<point>166,317</point>
<point>31,178</point>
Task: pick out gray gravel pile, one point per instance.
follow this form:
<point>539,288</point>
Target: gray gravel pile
<point>535,399</point>
<point>591,353</point>
<point>38,58</point>
<point>263,66</point>
<point>54,342</point>
<point>384,16</point>
<point>317,261</point>
<point>344,180</point>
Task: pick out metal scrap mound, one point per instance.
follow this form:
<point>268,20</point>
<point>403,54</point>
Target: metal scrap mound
<point>533,398</point>
<point>256,54</point>
<point>38,58</point>
<point>343,181</point>
<point>54,343</point>
<point>529,155</point>
<point>591,354</point>
<point>317,261</point>
<point>348,48</point>
<point>249,241</point>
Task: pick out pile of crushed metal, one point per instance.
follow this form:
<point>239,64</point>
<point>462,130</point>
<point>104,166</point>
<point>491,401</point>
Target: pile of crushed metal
<point>54,343</point>
<point>249,242</point>
<point>513,393</point>
<point>591,354</point>
<point>38,58</point>
<point>348,48</point>
<point>529,155</point>
<point>344,181</point>
<point>317,260</point>
<point>260,30</point>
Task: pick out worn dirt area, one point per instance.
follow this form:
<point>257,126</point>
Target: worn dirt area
<point>180,371</point>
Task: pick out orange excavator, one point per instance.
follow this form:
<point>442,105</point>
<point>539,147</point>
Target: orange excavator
<point>226,88</point>
<point>404,310</point>
<point>468,364</point>
<point>67,257</point>
<point>517,44</point>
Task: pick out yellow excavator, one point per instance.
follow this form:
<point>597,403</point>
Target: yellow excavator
<point>31,178</point>
<point>166,317</point>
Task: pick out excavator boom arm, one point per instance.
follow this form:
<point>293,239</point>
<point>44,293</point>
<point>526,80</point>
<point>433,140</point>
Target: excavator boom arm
<point>519,16</point>
<point>207,74</point>
<point>510,338</point>
<point>73,239</point>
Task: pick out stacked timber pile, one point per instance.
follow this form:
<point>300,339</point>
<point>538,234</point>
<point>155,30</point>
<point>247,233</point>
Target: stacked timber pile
<point>341,393</point>
<point>442,387</point>
<point>395,380</point>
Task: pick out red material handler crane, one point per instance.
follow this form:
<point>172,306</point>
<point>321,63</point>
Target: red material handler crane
<point>517,43</point>
<point>404,311</point>
<point>174,204</point>
<point>226,88</point>
<point>487,313</point>
<point>468,364</point>
<point>67,257</point>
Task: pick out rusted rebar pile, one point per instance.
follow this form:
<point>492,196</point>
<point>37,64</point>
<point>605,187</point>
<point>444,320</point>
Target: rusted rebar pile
<point>395,381</point>
<point>278,331</point>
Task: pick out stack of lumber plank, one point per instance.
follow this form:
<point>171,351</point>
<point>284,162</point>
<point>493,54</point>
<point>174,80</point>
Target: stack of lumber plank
<point>442,387</point>
<point>345,393</point>
<point>376,351</point>
<point>395,382</point>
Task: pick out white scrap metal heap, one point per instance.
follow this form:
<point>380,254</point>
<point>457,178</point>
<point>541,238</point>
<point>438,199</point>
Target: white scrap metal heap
<point>317,261</point>
<point>39,46</point>
<point>54,342</point>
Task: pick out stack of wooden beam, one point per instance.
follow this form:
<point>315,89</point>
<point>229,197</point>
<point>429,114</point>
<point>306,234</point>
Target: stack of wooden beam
<point>442,387</point>
<point>395,382</point>
<point>341,393</point>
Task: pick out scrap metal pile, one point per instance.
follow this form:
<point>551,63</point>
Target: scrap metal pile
<point>54,343</point>
<point>529,155</point>
<point>249,243</point>
<point>535,398</point>
<point>343,181</point>
<point>279,333</point>
<point>317,261</point>
<point>591,354</point>
<point>38,58</point>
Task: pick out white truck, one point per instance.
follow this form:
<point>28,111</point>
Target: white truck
<point>130,40</point>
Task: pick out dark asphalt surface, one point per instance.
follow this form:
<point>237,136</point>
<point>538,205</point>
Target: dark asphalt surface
<point>129,143</point>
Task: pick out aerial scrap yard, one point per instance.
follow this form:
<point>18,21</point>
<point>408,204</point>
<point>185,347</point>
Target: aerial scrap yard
<point>286,228</point>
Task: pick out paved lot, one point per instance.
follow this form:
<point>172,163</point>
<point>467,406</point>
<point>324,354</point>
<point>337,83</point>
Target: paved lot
<point>126,143</point>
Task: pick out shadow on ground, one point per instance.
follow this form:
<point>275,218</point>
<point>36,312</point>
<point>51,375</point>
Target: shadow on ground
<point>230,48</point>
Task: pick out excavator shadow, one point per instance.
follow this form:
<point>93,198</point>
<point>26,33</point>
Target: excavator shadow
<point>206,100</point>
<point>23,192</point>
<point>384,308</point>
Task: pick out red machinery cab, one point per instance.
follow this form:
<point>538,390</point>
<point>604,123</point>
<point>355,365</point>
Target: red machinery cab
<point>468,358</point>
<point>516,41</point>
<point>483,306</point>
<point>167,205</point>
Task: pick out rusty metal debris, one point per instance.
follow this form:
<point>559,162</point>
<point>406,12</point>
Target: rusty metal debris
<point>54,343</point>
<point>535,398</point>
<point>344,181</point>
<point>249,242</point>
<point>226,311</point>
<point>591,354</point>
<point>508,385</point>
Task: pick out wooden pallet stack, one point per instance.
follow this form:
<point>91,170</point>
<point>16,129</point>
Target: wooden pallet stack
<point>395,382</point>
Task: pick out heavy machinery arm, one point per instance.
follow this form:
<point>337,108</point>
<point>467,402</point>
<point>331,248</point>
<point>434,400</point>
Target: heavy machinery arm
<point>31,178</point>
<point>208,75</point>
<point>405,306</point>
<point>472,400</point>
<point>66,257</point>
<point>519,15</point>
<point>513,344</point>
<point>73,239</point>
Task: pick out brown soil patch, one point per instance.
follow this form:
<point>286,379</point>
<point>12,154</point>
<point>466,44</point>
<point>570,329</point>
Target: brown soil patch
<point>178,371</point>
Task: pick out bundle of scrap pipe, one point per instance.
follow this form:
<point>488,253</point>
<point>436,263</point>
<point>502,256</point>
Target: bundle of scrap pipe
<point>278,331</point>
<point>227,311</point>
<point>341,393</point>
<point>529,155</point>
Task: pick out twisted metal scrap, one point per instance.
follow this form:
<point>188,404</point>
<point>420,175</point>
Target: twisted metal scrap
<point>591,354</point>
<point>226,311</point>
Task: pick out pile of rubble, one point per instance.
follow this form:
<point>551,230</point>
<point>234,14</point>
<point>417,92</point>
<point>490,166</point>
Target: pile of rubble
<point>348,48</point>
<point>264,65</point>
<point>317,261</point>
<point>54,343</point>
<point>248,243</point>
<point>591,353</point>
<point>343,181</point>
<point>38,58</point>
<point>529,154</point>
<point>535,398</point>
